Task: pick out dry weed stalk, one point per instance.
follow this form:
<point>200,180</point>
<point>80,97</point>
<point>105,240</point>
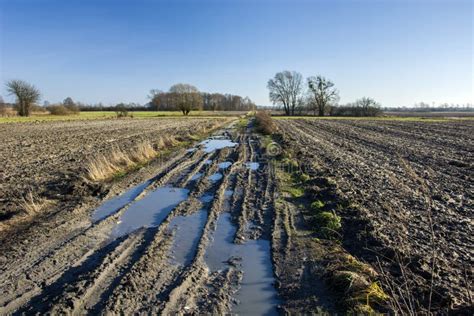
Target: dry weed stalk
<point>32,203</point>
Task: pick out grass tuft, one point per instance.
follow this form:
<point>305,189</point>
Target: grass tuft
<point>33,204</point>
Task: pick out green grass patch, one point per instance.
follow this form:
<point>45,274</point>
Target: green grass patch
<point>100,115</point>
<point>317,205</point>
<point>328,224</point>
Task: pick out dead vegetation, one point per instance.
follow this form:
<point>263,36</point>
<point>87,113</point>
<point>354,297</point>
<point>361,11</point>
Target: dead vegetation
<point>264,122</point>
<point>32,204</point>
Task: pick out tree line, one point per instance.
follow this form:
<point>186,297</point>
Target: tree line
<point>317,96</point>
<point>180,97</point>
<point>185,98</point>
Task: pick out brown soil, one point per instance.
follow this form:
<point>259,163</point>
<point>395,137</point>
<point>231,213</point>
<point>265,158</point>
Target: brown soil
<point>63,262</point>
<point>49,158</point>
<point>406,191</point>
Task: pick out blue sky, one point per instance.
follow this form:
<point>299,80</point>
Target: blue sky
<point>398,52</point>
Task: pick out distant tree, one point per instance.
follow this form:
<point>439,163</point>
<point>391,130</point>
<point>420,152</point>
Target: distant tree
<point>68,101</point>
<point>368,106</point>
<point>186,97</point>
<point>215,100</point>
<point>121,110</point>
<point>3,107</point>
<point>323,93</point>
<point>26,95</point>
<point>285,89</point>
<point>70,105</point>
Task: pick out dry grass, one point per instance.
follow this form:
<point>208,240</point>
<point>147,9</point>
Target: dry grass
<point>117,162</point>
<point>104,167</point>
<point>33,204</point>
<point>265,123</point>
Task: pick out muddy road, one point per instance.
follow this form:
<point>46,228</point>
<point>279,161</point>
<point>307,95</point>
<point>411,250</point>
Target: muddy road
<point>193,235</point>
<point>50,158</point>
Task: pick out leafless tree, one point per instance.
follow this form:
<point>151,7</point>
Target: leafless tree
<point>26,95</point>
<point>186,97</point>
<point>323,93</point>
<point>285,89</point>
<point>369,106</point>
<point>3,107</point>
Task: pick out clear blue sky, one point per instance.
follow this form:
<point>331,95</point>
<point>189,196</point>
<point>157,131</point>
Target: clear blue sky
<point>398,52</point>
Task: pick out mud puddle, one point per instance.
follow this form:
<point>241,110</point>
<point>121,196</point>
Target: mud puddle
<point>215,143</point>
<point>188,230</point>
<point>114,204</point>
<point>215,177</point>
<point>149,211</point>
<point>225,165</point>
<point>252,165</point>
<point>257,295</point>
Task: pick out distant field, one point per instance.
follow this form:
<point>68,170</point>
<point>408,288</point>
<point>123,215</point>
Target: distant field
<point>111,114</point>
<point>379,118</point>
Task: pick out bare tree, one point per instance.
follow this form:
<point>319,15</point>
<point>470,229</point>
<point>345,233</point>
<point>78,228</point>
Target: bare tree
<point>186,97</point>
<point>369,106</point>
<point>26,95</point>
<point>323,93</point>
<point>3,107</point>
<point>285,89</point>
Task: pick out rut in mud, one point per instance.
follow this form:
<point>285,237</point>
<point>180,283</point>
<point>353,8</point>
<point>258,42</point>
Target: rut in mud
<point>195,237</point>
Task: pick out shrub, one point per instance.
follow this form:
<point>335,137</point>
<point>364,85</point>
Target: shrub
<point>58,109</point>
<point>264,122</point>
<point>121,110</point>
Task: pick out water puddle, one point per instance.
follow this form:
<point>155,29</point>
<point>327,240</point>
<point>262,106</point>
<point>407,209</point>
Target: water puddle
<point>188,231</point>
<point>114,204</point>
<point>208,161</point>
<point>215,177</point>
<point>216,143</point>
<point>206,198</point>
<point>252,165</point>
<point>149,211</point>
<point>196,176</point>
<point>222,245</point>
<point>225,165</point>
<point>257,295</point>
<point>191,150</point>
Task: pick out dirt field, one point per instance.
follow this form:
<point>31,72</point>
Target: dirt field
<point>219,226</point>
<point>409,187</point>
<point>49,158</point>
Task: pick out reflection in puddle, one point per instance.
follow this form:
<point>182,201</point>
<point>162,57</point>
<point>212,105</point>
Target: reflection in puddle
<point>213,144</point>
<point>114,204</point>
<point>187,235</point>
<point>196,176</point>
<point>256,296</point>
<point>149,211</point>
<point>215,177</point>
<point>252,165</point>
<point>225,165</point>
<point>221,247</point>
<point>206,198</point>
